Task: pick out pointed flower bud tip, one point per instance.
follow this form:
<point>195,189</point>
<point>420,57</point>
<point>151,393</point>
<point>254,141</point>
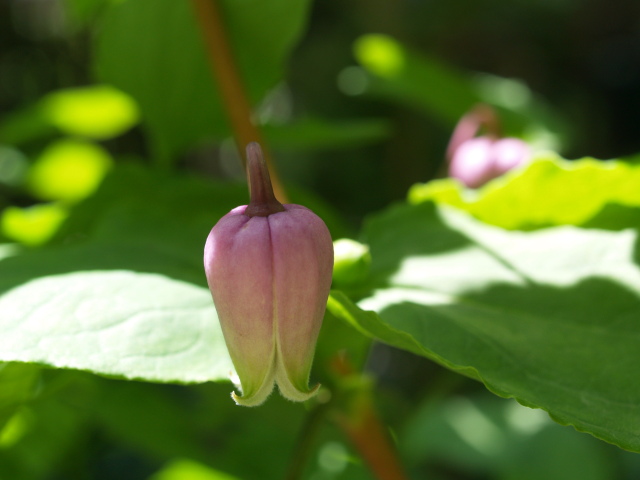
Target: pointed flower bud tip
<point>269,268</point>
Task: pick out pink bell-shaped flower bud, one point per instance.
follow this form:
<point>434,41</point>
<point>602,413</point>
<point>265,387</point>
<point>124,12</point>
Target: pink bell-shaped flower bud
<point>269,269</point>
<point>476,160</point>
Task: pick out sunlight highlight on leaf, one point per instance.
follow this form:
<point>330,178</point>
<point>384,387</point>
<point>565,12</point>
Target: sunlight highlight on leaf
<point>98,112</point>
<point>17,426</point>
<point>190,470</point>
<point>380,54</point>
<point>549,191</point>
<point>32,225</point>
<point>352,261</point>
<point>112,322</point>
<point>68,170</point>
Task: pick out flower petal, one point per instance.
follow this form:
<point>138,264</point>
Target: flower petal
<point>303,264</point>
<point>238,264</point>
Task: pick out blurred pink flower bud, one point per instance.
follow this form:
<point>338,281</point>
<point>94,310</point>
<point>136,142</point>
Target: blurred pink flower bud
<point>476,160</point>
<point>269,269</point>
<point>509,153</point>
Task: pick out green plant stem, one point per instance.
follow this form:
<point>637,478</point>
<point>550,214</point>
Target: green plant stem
<point>304,443</point>
<point>230,85</point>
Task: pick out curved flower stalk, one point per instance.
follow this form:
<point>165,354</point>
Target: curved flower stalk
<point>269,269</point>
<point>476,160</point>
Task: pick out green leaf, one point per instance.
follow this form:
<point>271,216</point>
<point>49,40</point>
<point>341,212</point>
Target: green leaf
<point>351,263</point>
<point>153,50</point>
<point>173,213</point>
<point>8,250</point>
<point>81,13</point>
<point>495,438</point>
<point>151,418</point>
<point>48,430</point>
<point>169,215</point>
<point>549,191</point>
<point>17,385</point>
<point>117,323</point>
<point>166,422</point>
<point>99,111</point>
<point>397,73</point>
<point>187,469</point>
<point>33,225</point>
<point>315,133</point>
<point>403,75</point>
<point>547,317</point>
<point>68,170</point>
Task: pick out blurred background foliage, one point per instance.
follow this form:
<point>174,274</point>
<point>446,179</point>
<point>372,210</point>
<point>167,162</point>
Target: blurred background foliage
<point>370,89</point>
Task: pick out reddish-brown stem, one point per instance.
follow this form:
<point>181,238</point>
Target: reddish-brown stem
<point>263,202</point>
<point>230,85</point>
<point>360,422</point>
<point>480,116</point>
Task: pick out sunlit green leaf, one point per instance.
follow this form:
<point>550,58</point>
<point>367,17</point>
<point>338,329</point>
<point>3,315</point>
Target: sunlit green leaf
<point>352,262</point>
<point>8,250</point>
<point>15,428</point>
<point>189,470</point>
<point>33,225</point>
<point>118,323</point>
<point>98,112</point>
<point>68,170</point>
<point>549,191</point>
<point>547,317</point>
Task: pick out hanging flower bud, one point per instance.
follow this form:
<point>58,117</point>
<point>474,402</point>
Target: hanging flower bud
<point>476,160</point>
<point>269,268</point>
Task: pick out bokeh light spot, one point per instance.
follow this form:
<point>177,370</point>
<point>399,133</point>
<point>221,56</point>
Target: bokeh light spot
<point>68,170</point>
<point>32,225</point>
<point>98,112</point>
<point>380,54</point>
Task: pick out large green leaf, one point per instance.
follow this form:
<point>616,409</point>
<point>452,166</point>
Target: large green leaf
<point>125,293</point>
<point>548,317</point>
<point>549,191</point>
<point>118,322</point>
<point>152,49</point>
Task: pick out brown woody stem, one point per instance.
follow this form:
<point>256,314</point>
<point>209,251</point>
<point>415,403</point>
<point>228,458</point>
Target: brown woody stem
<point>230,85</point>
<point>263,201</point>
